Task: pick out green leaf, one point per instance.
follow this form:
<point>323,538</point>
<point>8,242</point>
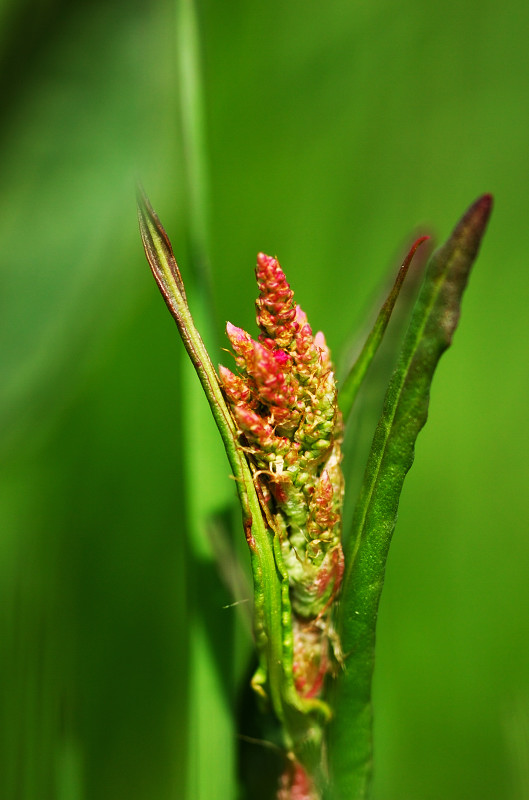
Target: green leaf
<point>355,378</point>
<point>432,325</point>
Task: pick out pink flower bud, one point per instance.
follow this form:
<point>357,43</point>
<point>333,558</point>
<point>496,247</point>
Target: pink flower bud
<point>236,389</point>
<point>275,307</point>
<point>241,341</point>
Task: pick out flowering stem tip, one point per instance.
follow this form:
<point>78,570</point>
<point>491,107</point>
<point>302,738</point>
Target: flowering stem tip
<point>277,412</point>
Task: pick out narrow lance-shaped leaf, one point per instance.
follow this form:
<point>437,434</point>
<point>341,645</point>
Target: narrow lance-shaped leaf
<point>165,270</point>
<point>432,325</point>
<point>354,380</point>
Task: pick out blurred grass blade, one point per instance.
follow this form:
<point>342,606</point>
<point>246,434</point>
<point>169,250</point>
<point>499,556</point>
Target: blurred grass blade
<point>192,104</point>
<point>432,325</point>
<point>353,382</point>
<point>212,687</point>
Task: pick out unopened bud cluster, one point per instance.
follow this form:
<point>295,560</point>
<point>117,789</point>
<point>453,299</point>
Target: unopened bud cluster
<point>284,402</point>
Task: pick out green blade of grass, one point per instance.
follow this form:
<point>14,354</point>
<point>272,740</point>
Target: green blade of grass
<point>432,325</point>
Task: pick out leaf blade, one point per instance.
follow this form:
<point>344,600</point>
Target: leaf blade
<point>357,373</point>
<point>430,333</point>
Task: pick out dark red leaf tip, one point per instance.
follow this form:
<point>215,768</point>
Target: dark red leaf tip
<point>413,250</point>
<point>470,230</point>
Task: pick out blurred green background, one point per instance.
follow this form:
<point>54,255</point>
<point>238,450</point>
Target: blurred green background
<point>333,131</point>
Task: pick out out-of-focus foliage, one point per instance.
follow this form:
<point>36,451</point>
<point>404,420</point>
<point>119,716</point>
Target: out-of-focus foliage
<point>333,129</point>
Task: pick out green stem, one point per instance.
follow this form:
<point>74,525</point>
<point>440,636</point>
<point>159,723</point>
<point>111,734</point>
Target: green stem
<point>194,136</point>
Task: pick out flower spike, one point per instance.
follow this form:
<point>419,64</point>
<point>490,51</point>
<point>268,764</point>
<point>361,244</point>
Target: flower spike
<point>290,423</point>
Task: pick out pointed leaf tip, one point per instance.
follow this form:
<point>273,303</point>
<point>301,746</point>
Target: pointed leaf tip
<point>393,295</point>
<point>470,229</point>
<point>159,251</point>
<point>414,248</point>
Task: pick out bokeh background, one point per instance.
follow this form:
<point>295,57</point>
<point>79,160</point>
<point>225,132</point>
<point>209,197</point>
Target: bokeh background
<point>333,130</point>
